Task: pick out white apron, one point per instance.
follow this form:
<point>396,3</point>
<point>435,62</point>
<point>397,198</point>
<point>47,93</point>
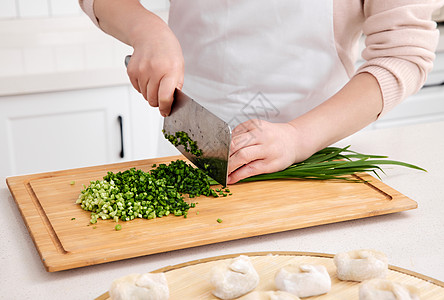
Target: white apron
<point>258,59</point>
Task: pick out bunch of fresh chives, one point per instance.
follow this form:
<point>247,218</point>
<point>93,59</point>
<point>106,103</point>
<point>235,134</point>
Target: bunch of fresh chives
<point>333,163</point>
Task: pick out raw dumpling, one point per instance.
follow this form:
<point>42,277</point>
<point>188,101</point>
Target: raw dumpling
<point>148,286</point>
<point>382,289</point>
<point>359,265</point>
<point>269,295</point>
<point>303,280</point>
<point>234,279</point>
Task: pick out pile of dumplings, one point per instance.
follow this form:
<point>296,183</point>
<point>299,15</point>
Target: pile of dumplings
<point>237,279</point>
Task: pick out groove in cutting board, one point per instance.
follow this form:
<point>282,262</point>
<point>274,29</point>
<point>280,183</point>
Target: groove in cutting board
<point>51,232</point>
<point>255,208</point>
<point>374,187</point>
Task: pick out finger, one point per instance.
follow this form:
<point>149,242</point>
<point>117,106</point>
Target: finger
<point>245,126</point>
<point>180,82</point>
<point>242,140</point>
<point>244,156</point>
<point>143,83</point>
<point>135,83</point>
<point>166,92</point>
<point>152,92</point>
<point>253,168</point>
<point>133,77</point>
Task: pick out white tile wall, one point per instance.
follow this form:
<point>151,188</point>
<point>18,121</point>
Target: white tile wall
<point>64,7</point>
<point>47,37</point>
<point>8,9</point>
<point>11,62</point>
<point>55,8</point>
<point>33,8</point>
<point>39,60</point>
<point>155,4</point>
<point>98,56</point>
<point>69,58</point>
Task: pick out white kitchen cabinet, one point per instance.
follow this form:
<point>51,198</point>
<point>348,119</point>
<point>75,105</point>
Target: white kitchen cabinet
<point>146,130</point>
<point>59,130</point>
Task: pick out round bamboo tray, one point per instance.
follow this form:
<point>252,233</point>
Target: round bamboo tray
<point>190,280</point>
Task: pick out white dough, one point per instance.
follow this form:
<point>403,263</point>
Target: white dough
<point>303,280</point>
<point>269,295</point>
<point>148,286</point>
<point>234,279</point>
<point>359,265</point>
<point>382,289</point>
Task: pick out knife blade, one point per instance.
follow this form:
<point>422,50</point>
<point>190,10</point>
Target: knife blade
<point>211,134</point>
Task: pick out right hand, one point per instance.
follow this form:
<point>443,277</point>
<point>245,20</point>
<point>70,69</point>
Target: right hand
<point>156,67</point>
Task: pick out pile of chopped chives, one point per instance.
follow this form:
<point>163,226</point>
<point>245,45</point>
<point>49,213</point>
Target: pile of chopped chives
<point>137,194</point>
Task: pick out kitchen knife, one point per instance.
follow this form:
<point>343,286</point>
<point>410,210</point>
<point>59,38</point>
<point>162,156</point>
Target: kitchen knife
<point>211,134</point>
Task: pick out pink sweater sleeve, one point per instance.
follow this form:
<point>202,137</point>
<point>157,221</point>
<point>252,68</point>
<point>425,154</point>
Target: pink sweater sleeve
<point>88,7</point>
<point>400,44</point>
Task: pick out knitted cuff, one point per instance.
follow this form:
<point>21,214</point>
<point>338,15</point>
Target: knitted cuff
<point>397,79</point>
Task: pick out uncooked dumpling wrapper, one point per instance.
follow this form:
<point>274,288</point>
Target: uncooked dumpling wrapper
<point>383,289</point>
<point>269,295</point>
<point>148,286</point>
<point>303,280</point>
<point>234,279</point>
<point>360,265</point>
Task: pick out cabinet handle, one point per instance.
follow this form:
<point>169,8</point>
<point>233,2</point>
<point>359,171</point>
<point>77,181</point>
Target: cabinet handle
<point>122,153</point>
<point>433,85</point>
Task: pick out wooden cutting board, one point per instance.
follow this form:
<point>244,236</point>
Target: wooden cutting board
<point>191,280</point>
<point>64,238</point>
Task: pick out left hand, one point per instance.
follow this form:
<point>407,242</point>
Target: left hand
<point>258,147</point>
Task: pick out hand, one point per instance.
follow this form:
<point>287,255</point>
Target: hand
<point>259,147</point>
<point>156,67</point>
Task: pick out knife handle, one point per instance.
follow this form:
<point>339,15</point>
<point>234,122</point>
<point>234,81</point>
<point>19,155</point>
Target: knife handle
<point>127,59</point>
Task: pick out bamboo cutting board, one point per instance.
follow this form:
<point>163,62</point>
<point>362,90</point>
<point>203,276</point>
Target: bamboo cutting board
<point>191,280</point>
<point>64,238</point>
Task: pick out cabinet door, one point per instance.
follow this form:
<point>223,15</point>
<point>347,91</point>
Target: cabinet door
<point>69,129</point>
<point>146,130</point>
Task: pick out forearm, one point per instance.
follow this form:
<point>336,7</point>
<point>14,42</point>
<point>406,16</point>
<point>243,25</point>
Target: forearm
<point>355,106</point>
<point>126,20</point>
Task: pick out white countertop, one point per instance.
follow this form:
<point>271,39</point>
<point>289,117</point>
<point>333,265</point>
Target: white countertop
<point>413,239</point>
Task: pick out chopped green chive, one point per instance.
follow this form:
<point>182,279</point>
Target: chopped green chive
<point>118,227</point>
<point>182,138</point>
<point>137,194</point>
<point>219,220</point>
<point>72,182</point>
